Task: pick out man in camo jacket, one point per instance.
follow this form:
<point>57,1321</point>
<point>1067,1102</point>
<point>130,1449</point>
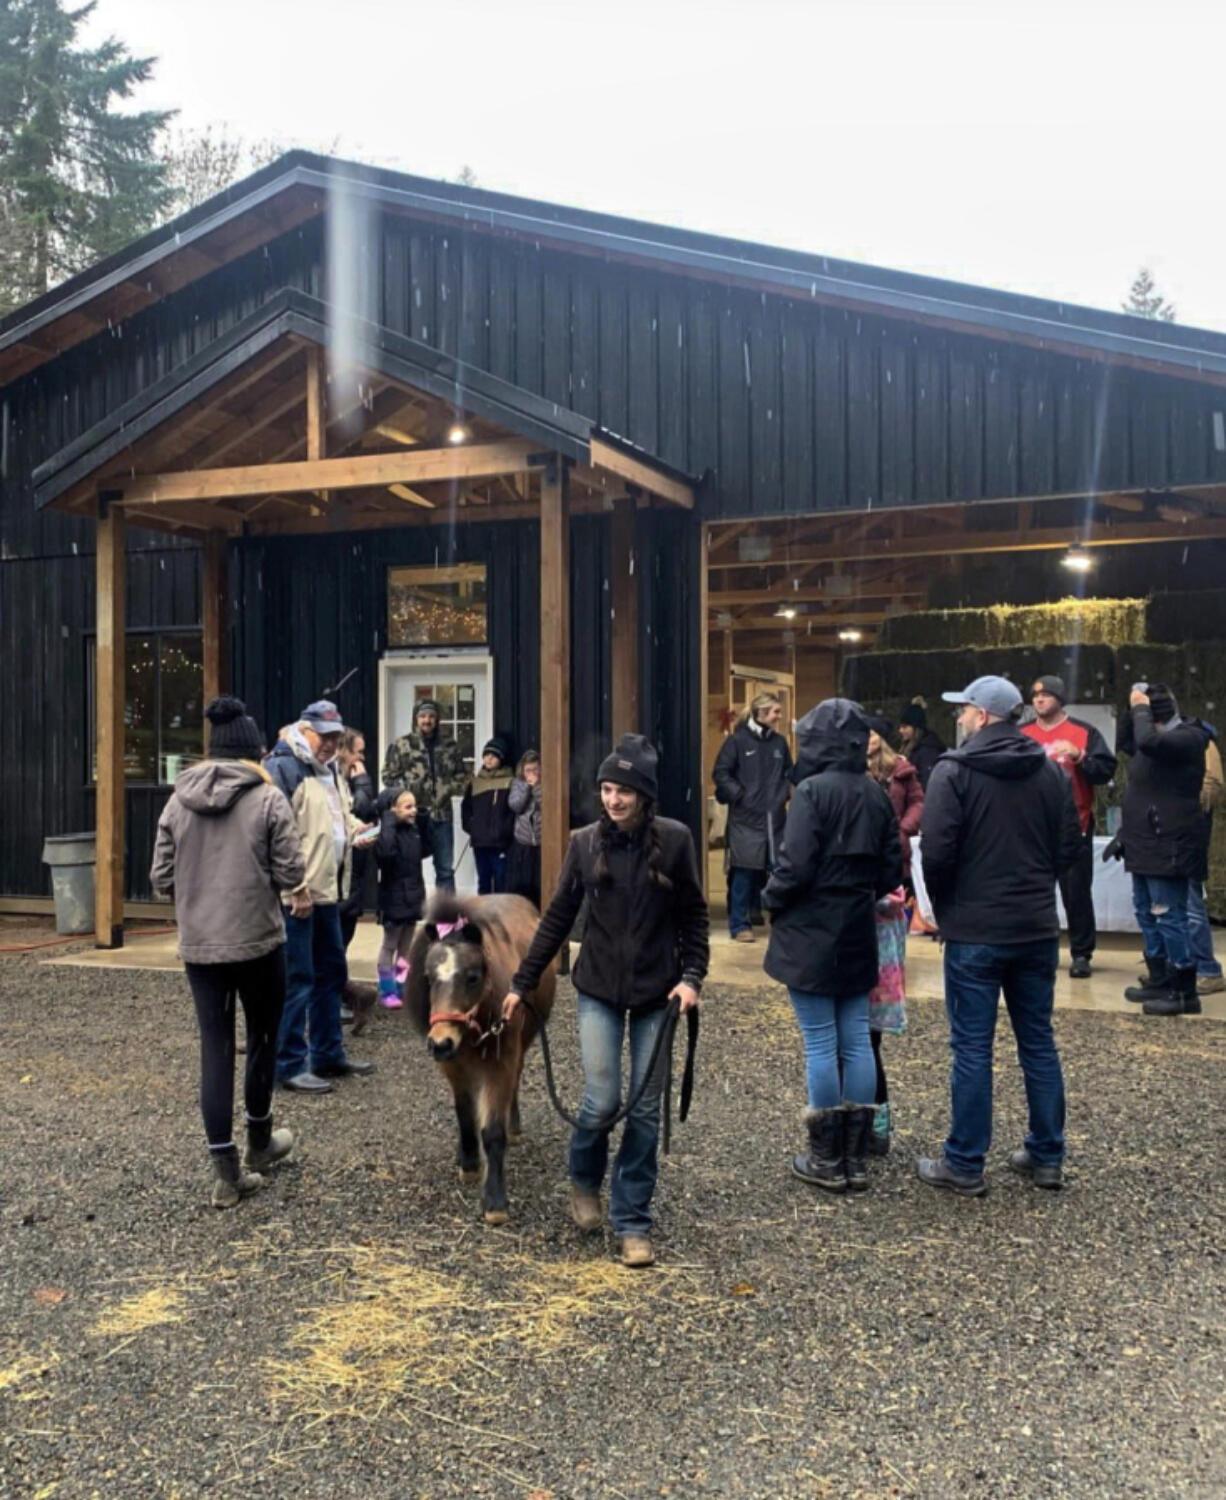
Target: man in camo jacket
<point>432,768</point>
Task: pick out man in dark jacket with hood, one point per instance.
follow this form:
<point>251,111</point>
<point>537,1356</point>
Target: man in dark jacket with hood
<point>999,828</point>
<point>1165,838</point>
<point>920,745</point>
<point>751,779</point>
<point>841,852</point>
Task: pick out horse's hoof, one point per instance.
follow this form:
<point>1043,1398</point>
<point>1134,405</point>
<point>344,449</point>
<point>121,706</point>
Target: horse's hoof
<point>496,1215</point>
<point>470,1174</point>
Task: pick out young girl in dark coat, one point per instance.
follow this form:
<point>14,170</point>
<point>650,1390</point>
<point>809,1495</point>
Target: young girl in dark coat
<point>645,942</point>
<point>404,842</point>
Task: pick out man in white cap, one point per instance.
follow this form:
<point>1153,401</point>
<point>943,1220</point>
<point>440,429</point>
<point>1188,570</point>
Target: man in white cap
<point>999,828</point>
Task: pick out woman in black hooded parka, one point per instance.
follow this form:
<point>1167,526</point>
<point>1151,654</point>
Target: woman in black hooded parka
<point>841,853</point>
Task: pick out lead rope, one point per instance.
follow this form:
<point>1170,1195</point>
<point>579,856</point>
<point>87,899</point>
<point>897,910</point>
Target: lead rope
<point>661,1054</point>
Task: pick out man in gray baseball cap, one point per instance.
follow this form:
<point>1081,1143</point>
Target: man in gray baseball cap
<point>999,826</point>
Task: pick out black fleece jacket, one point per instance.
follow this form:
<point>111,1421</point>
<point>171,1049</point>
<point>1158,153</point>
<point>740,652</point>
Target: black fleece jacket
<point>642,934</point>
<point>999,827</point>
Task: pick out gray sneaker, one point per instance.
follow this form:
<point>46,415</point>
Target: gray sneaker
<point>938,1173</point>
<point>306,1083</point>
<point>1210,984</point>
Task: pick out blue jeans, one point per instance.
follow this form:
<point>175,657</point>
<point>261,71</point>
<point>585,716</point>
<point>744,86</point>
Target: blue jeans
<point>975,974</point>
<point>836,1039</point>
<point>442,833</point>
<point>316,975</point>
<point>744,894</point>
<point>1161,906</point>
<point>491,871</point>
<point>634,1172</point>
<point>1200,934</point>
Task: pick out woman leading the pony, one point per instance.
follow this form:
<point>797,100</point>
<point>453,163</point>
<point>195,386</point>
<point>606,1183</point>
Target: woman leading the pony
<point>645,943</point>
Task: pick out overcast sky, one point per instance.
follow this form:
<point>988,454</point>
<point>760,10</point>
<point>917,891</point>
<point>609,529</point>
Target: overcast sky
<point>1050,148</point>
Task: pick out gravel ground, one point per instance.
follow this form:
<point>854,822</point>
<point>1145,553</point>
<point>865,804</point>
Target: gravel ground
<point>355,1330</point>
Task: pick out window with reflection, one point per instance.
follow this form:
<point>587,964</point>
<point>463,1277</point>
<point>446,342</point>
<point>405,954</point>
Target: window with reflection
<point>444,606</point>
<point>163,716</point>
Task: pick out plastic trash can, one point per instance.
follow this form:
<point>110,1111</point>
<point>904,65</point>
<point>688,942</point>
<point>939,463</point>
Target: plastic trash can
<point>71,858</point>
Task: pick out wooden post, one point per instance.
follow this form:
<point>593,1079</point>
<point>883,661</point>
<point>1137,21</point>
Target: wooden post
<point>109,691</point>
<point>214,619</point>
<point>555,675</point>
<point>625,603</point>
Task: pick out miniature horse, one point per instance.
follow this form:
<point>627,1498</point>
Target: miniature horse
<point>461,963</point>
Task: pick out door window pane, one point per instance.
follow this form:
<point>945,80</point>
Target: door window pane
<point>140,709</point>
<point>436,606</point>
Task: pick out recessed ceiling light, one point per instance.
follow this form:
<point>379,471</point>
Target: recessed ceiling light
<point>458,433</point>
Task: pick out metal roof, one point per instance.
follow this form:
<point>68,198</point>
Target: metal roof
<point>1186,351</point>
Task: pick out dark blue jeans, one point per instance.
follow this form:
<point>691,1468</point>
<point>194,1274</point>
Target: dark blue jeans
<point>601,1028</point>
<point>1161,906</point>
<point>1200,934</point>
<point>491,871</point>
<point>744,895</point>
<point>442,832</point>
<point>317,971</point>
<point>975,975</point>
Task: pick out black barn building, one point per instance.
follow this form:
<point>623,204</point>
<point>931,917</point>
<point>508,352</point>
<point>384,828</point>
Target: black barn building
<point>343,429</point>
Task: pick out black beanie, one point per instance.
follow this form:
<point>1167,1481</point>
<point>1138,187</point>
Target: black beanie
<point>499,747</point>
<point>914,715</point>
<point>882,728</point>
<point>1054,686</point>
<point>633,763</point>
<point>234,735</point>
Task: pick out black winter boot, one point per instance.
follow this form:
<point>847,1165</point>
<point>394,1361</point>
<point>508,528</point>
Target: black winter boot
<point>1180,999</point>
<point>857,1132</point>
<point>233,1182</point>
<point>1157,985</point>
<point>822,1164</point>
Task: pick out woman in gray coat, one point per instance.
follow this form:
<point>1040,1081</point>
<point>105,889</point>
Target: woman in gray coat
<point>227,844</point>
<point>751,777</point>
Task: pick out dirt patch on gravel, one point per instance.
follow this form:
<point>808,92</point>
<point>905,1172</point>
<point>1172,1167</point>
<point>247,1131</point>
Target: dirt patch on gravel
<point>355,1330</point>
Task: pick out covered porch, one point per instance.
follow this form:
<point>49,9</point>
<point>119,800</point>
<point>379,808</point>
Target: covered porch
<point>297,423</point>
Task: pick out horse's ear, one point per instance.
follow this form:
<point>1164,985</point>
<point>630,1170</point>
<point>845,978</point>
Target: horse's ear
<point>432,932</point>
<point>471,933</point>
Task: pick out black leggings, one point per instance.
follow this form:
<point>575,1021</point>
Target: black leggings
<point>883,1088</point>
<point>260,985</point>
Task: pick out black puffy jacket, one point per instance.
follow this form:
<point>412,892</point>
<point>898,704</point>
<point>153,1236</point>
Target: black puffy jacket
<point>752,774</point>
<point>999,827</point>
<point>399,852</point>
<point>841,852</point>
<point>1163,827</point>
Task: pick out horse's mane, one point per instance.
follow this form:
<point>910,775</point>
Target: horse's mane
<point>447,908</point>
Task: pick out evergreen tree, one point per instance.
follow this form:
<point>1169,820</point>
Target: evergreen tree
<point>1145,301</point>
<point>78,179</point>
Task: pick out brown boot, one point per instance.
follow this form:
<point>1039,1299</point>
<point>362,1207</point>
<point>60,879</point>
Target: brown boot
<point>637,1251</point>
<point>585,1208</point>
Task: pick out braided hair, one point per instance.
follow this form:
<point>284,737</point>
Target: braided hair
<point>651,842</point>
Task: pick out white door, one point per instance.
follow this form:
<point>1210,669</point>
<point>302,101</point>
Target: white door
<point>462,686</point>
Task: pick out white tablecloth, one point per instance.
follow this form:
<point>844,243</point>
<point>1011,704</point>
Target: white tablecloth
<point>1112,890</point>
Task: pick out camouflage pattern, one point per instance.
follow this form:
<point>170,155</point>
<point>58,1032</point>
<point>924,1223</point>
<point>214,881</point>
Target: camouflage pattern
<point>433,779</point>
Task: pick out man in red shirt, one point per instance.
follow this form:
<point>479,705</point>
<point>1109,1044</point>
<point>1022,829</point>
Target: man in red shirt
<point>1082,754</point>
